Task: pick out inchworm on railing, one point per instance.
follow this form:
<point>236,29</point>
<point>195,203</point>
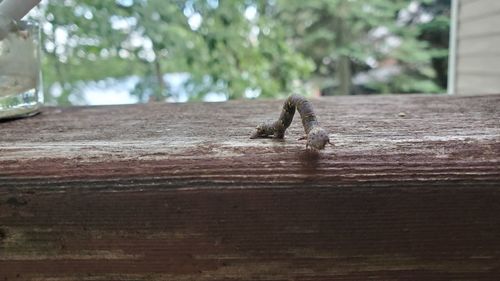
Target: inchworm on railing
<point>316,136</point>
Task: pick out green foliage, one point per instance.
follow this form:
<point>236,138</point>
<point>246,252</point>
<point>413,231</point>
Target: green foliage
<point>232,47</point>
<point>220,55</point>
<point>329,31</point>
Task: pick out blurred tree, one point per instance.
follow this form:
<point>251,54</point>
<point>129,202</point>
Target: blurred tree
<point>348,37</point>
<point>437,32</point>
<point>222,49</point>
<point>243,47</point>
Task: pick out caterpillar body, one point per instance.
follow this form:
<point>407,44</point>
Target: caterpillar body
<point>316,136</point>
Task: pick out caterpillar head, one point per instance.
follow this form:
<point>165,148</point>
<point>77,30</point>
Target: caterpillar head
<point>317,138</point>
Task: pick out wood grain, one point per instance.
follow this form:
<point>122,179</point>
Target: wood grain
<point>179,192</point>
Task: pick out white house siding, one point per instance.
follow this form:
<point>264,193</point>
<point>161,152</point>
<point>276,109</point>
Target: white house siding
<point>476,50</point>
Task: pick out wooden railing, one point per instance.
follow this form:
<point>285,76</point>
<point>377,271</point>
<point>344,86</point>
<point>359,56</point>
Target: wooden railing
<point>410,191</point>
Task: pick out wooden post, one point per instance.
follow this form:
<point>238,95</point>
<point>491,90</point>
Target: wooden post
<point>179,192</point>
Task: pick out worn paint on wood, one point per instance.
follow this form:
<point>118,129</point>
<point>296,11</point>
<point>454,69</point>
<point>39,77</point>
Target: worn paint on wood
<point>180,192</point>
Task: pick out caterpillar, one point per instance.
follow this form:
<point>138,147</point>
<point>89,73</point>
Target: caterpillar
<point>317,137</point>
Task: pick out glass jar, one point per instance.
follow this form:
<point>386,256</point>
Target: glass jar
<point>20,75</point>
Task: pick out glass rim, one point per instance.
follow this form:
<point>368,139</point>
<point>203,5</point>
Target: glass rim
<point>27,102</point>
<point>27,24</point>
<point>22,23</point>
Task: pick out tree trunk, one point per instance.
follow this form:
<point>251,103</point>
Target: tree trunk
<point>345,75</point>
<point>344,71</point>
<point>161,87</point>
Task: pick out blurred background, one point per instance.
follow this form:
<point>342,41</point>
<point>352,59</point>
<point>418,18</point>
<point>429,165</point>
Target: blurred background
<point>135,51</point>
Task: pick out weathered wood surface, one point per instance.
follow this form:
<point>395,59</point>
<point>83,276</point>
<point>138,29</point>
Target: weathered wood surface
<point>411,191</point>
